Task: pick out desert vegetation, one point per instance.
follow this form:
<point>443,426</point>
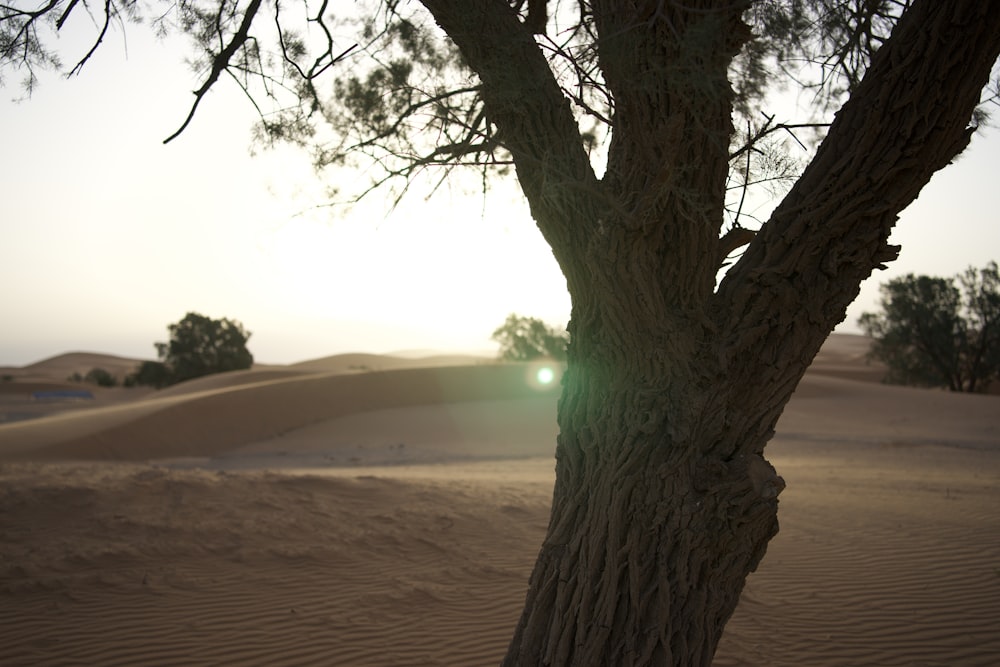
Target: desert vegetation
<point>98,376</point>
<point>932,332</point>
<point>528,338</point>
<point>198,346</point>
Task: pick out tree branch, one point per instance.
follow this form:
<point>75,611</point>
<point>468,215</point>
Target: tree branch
<point>798,276</point>
<point>220,62</point>
<point>100,38</point>
<point>524,101</point>
<point>65,14</point>
<point>768,129</point>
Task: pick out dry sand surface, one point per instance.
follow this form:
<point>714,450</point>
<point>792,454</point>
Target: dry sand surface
<point>363,510</point>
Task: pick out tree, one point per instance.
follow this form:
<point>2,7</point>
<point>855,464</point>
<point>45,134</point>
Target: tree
<point>201,346</point>
<point>154,374</point>
<point>617,118</point>
<point>929,333</point>
<point>100,377</point>
<point>527,338</point>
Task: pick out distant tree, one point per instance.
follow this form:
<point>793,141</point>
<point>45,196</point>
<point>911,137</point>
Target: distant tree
<point>100,377</point>
<point>201,346</point>
<point>931,333</point>
<point>150,374</point>
<point>527,338</point>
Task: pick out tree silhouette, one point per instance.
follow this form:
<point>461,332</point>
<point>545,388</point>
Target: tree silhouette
<point>100,377</point>
<point>929,333</point>
<point>154,374</point>
<point>201,346</point>
<point>527,338</point>
<point>617,119</point>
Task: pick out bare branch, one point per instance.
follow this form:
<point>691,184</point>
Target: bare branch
<point>220,62</point>
<point>108,9</point>
<point>65,14</point>
<point>768,129</point>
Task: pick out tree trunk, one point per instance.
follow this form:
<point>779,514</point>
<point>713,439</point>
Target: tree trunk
<point>652,534</point>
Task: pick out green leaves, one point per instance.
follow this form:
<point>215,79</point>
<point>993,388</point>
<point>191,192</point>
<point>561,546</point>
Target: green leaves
<point>527,338</point>
<point>931,333</point>
<point>201,346</point>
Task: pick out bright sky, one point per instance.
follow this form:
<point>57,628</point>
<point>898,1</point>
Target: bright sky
<point>107,236</point>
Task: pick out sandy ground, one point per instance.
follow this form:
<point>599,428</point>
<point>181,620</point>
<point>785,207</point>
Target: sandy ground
<point>363,510</point>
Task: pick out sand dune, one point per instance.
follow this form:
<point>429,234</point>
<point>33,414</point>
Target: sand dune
<point>61,366</point>
<point>890,564</point>
<point>838,410</point>
<point>155,567</point>
<point>886,556</point>
<point>326,514</point>
<point>340,363</point>
<point>206,423</point>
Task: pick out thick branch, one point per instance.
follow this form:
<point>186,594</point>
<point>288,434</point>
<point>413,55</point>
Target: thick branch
<point>666,65</point>
<point>534,121</point>
<point>907,118</point>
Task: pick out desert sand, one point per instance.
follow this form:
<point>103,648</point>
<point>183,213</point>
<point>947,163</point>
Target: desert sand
<point>366,510</point>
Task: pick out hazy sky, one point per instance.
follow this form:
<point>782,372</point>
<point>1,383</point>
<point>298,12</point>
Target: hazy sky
<point>107,236</point>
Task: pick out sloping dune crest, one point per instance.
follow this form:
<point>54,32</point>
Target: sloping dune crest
<point>205,423</point>
<point>64,365</point>
<point>357,416</point>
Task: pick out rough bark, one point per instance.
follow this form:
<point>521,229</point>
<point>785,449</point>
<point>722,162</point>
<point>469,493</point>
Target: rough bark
<point>663,501</point>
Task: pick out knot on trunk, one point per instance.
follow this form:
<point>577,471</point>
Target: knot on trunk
<point>737,237</point>
<point>753,473</point>
<point>765,479</point>
<point>886,253</point>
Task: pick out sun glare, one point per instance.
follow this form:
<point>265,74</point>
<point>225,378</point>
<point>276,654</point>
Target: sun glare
<point>543,376</point>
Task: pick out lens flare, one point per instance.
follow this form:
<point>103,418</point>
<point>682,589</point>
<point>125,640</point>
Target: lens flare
<point>543,376</point>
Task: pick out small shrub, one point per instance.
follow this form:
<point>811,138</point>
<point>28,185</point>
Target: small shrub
<point>150,374</point>
<point>100,377</point>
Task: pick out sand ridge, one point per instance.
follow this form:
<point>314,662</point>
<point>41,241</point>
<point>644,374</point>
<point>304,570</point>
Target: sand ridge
<point>258,569</point>
<point>195,422</point>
